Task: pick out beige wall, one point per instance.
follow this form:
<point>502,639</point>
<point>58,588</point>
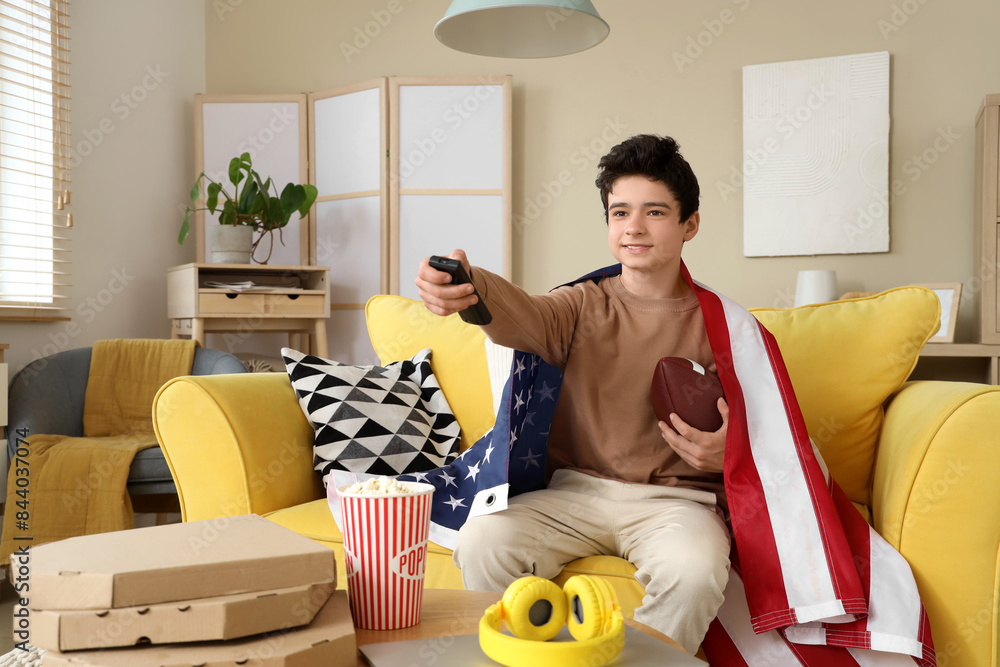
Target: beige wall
<point>135,66</point>
<point>944,57</point>
<point>128,190</point>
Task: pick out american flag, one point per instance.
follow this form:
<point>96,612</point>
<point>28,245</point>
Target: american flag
<point>812,583</point>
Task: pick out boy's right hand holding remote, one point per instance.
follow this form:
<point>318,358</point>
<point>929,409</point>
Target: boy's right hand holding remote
<point>439,295</point>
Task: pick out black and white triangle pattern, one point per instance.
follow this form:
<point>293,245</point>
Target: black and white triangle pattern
<point>381,420</point>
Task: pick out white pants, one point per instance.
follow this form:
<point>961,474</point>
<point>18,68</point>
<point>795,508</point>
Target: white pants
<point>675,538</point>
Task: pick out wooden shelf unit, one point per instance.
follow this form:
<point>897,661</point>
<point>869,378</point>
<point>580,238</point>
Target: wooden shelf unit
<point>986,258</point>
<point>296,300</point>
<point>975,353</point>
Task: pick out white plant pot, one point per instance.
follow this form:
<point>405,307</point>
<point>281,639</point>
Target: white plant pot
<point>231,244</point>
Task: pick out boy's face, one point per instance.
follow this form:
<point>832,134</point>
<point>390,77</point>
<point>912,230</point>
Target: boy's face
<point>645,232</point>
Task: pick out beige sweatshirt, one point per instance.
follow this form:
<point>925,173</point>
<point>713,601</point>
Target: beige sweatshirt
<point>606,341</point>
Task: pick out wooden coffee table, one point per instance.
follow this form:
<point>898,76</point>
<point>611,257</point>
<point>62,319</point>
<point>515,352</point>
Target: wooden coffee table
<point>447,613</point>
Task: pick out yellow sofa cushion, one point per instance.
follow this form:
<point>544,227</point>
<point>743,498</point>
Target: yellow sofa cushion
<point>845,359</point>
<point>401,327</point>
<point>618,572</point>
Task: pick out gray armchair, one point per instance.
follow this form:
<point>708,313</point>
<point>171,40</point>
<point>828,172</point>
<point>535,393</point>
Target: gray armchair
<point>46,396</point>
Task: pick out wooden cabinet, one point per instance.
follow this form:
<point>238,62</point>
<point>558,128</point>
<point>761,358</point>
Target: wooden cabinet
<point>209,298</point>
<point>987,223</point>
<point>961,362</point>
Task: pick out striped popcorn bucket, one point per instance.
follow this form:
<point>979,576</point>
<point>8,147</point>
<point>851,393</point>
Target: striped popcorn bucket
<point>385,549</point>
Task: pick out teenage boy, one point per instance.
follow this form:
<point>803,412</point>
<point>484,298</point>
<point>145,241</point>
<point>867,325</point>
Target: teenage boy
<point>621,483</point>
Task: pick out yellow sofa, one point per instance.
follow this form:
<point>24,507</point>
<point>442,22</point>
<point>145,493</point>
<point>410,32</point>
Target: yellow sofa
<point>924,471</point>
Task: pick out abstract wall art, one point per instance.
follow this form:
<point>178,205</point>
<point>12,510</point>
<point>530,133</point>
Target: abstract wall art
<point>816,156</point>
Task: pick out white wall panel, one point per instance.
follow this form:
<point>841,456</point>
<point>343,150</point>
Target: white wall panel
<point>348,237</point>
<point>269,131</point>
<point>347,135</point>
<point>437,224</point>
<point>451,136</point>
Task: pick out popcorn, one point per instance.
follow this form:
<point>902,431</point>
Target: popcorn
<point>377,486</point>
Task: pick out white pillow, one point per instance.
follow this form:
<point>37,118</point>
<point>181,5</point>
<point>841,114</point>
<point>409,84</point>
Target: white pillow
<point>498,362</point>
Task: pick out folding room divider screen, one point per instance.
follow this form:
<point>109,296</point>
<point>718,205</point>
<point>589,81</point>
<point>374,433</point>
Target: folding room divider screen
<point>405,168</point>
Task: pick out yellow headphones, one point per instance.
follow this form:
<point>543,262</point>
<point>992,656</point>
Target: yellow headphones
<point>534,609</point>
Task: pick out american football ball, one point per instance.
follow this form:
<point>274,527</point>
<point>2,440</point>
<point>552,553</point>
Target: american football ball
<point>686,388</point>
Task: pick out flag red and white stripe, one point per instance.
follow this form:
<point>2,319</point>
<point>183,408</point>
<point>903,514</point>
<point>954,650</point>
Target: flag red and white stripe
<point>818,585</point>
<point>385,546</point>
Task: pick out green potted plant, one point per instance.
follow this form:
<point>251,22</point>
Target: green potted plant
<point>253,206</point>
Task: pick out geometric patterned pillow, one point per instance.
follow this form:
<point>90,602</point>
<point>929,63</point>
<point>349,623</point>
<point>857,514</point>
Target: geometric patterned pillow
<point>381,420</point>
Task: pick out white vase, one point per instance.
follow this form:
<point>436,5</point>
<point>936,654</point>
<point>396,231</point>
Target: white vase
<point>231,244</point>
<point>815,287</point>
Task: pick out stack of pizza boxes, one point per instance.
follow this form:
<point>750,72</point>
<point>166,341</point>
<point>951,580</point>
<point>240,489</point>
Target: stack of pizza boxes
<point>240,590</point>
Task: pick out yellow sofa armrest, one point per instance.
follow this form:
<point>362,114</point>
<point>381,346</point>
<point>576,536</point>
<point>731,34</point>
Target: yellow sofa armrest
<point>235,444</point>
<point>936,499</point>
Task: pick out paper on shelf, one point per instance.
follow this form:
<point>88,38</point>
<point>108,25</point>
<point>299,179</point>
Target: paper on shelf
<point>247,286</point>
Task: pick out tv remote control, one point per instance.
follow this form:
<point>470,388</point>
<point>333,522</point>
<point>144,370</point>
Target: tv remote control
<point>477,313</point>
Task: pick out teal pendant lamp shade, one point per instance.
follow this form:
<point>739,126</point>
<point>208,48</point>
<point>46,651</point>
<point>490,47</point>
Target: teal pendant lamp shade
<point>521,28</point>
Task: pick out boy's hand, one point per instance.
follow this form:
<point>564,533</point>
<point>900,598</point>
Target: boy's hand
<point>439,295</point>
<point>702,450</point>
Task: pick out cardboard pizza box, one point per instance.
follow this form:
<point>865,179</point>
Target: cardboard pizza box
<point>183,561</point>
<point>226,617</point>
<point>326,642</point>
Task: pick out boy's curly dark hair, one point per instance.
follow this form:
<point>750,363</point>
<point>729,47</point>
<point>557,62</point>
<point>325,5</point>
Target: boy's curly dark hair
<point>658,159</point>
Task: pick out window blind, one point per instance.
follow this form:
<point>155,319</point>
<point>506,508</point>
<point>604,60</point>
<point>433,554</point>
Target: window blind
<point>34,158</point>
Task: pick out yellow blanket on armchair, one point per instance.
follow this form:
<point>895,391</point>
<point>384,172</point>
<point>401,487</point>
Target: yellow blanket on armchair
<point>66,486</point>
